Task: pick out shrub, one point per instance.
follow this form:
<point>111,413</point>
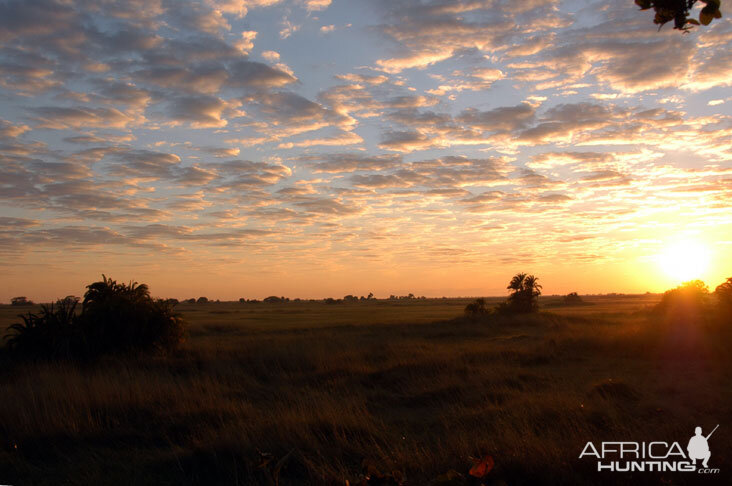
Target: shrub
<point>20,301</point>
<point>202,300</point>
<point>123,317</point>
<point>477,309</point>
<point>572,298</point>
<point>687,302</point>
<point>114,318</point>
<point>273,299</point>
<point>723,293</point>
<point>53,333</point>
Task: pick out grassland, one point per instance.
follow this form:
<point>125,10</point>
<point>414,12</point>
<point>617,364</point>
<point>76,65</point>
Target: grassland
<point>392,385</point>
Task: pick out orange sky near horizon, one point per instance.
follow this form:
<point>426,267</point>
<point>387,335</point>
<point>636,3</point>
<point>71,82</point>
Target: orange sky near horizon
<point>636,274</point>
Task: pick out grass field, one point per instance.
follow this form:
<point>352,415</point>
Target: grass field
<point>405,386</point>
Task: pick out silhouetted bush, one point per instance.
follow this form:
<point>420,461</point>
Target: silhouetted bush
<point>687,302</point>
<point>331,300</point>
<point>20,301</point>
<point>477,309</point>
<point>691,303</point>
<point>192,300</point>
<point>123,317</point>
<point>114,318</point>
<point>273,299</point>
<point>351,298</point>
<point>723,293</point>
<point>53,333</point>
<point>202,300</point>
<point>572,298</point>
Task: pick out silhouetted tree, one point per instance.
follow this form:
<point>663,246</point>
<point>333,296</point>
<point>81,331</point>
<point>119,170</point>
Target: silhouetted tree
<point>678,11</point>
<point>723,293</point>
<point>22,300</point>
<point>524,296</point>
<point>686,303</point>
<point>124,317</point>
<point>202,300</point>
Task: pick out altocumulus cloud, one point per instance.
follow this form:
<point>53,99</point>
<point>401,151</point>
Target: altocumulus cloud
<point>247,128</point>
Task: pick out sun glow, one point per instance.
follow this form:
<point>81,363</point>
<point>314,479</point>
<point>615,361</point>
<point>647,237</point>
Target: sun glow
<point>685,260</point>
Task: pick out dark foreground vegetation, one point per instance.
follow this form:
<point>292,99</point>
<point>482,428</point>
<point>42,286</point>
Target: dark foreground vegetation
<point>379,392</point>
<point>115,317</point>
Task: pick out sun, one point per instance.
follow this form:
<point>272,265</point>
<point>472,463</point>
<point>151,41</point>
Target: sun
<point>685,260</point>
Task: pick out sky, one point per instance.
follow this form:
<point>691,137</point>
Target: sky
<point>316,148</point>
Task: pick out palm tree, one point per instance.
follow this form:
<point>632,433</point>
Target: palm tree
<point>50,334</point>
<point>517,282</point>
<point>119,316</point>
<point>525,292</point>
<point>101,293</point>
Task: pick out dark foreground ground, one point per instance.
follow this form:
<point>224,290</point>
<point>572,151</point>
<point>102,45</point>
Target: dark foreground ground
<point>327,393</point>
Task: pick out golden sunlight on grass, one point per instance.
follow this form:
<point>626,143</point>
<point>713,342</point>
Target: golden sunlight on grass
<point>685,260</point>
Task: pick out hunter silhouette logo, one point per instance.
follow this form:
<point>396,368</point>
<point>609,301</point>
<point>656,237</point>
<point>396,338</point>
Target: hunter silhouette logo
<point>698,447</point>
<point>656,456</point>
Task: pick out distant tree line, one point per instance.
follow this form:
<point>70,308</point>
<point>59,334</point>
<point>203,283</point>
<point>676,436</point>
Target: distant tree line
<point>409,296</point>
<point>274,299</point>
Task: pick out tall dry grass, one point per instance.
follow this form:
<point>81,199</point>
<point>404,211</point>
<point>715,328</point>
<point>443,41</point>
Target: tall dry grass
<point>418,398</point>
